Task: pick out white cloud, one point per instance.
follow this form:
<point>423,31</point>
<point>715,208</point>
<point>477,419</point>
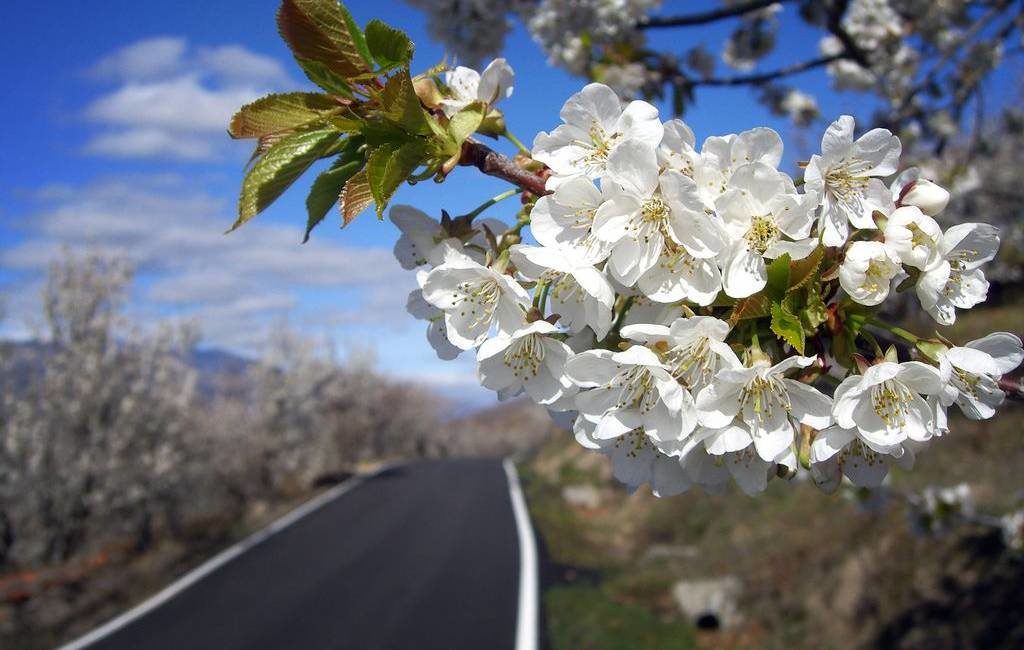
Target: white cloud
<point>173,100</point>
<point>236,63</point>
<point>233,284</point>
<point>145,59</point>
<point>183,104</point>
<point>150,143</point>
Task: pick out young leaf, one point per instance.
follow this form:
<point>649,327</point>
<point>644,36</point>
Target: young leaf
<point>778,278</point>
<point>401,105</point>
<point>322,76</point>
<point>355,197</point>
<point>388,166</point>
<point>814,312</point>
<point>464,123</point>
<point>787,327</point>
<point>756,306</point>
<point>389,47</point>
<point>280,112</point>
<point>318,30</point>
<point>278,168</point>
<point>357,34</point>
<point>806,270</point>
<point>326,191</point>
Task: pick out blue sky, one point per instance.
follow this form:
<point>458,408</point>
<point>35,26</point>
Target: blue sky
<point>114,138</point>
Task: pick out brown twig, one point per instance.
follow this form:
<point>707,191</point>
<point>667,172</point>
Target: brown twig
<point>687,20</point>
<point>476,154</point>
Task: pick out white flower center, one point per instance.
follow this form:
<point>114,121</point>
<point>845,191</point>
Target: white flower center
<point>525,356</point>
<point>965,382</point>
<point>563,287</point>
<point>633,442</point>
<point>891,401</point>
<point>637,389</point>
<point>763,395</point>
<point>652,218</point>
<point>479,300</point>
<point>761,234</point>
<point>844,183</point>
<point>877,275</point>
<point>693,365</point>
<point>676,259</point>
<point>858,451</point>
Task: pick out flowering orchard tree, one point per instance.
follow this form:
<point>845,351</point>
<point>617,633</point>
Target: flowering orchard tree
<point>925,60</point>
<point>684,311</point>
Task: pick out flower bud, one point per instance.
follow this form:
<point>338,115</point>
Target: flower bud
<point>926,195</point>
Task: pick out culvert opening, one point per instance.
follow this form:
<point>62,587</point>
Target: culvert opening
<point>708,621</point>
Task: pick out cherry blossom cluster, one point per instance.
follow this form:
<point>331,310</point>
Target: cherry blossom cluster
<point>639,299</point>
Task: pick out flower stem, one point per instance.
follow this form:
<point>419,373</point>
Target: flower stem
<point>491,201</point>
<point>540,300</point>
<point>898,331</point>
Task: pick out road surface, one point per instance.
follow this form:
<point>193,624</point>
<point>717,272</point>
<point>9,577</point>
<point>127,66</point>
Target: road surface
<point>421,556</point>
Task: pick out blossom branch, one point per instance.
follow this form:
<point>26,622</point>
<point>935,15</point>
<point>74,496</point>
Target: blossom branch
<point>476,154</point>
<point>688,20</point>
<point>764,77</point>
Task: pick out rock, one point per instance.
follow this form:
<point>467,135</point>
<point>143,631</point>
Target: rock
<point>710,603</point>
<point>582,495</point>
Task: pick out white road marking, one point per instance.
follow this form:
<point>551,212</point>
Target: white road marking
<point>526,618</point>
<point>217,561</point>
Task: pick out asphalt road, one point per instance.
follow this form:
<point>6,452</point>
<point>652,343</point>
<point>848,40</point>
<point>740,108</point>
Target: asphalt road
<point>422,556</point>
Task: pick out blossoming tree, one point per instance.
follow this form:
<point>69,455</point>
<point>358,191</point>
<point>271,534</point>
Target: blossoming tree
<point>686,312</point>
<point>926,62</point>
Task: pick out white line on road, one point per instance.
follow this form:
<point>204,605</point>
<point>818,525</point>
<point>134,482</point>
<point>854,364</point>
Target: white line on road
<point>526,619</point>
<point>217,561</point>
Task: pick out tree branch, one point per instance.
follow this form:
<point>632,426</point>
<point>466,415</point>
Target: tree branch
<point>687,20</point>
<point>476,154</point>
<point>835,27</point>
<point>762,77</point>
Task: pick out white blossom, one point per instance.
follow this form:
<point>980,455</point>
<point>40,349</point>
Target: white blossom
<point>692,349</point>
<point>910,188</point>
<point>957,280</point>
<point>474,298</point>
<point>759,209</point>
<point>578,292</point>
<point>867,271</point>
<point>886,403</point>
<point>636,459</point>
<point>720,156</point>
<point>760,403</point>
<point>595,123</point>
<point>646,211</point>
<point>466,86</point>
<point>437,334</point>
<point>846,177</point>
<point>837,451</point>
<point>528,360</point>
<point>565,218</point>
<point>914,237</point>
<point>975,371</point>
<point>631,389</point>
<point>712,456</point>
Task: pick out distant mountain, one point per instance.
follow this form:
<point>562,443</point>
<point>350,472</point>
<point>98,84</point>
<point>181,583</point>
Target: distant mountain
<point>220,373</point>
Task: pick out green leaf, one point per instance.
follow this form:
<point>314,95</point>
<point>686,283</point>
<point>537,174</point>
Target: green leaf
<point>357,34</point>
<point>464,123</point>
<point>318,30</point>
<point>278,168</point>
<point>756,306</point>
<point>326,191</point>
<point>401,105</point>
<point>787,327</point>
<point>814,312</point>
<point>778,278</point>
<point>322,76</point>
<point>280,112</point>
<point>355,197</point>
<point>806,270</point>
<point>389,47</point>
<point>388,166</point>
